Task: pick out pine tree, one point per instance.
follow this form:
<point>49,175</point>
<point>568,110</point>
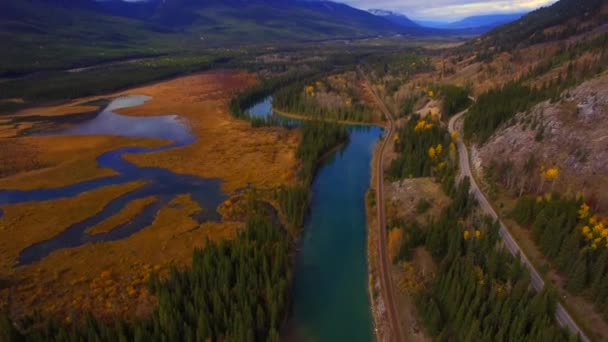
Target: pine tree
<point>577,279</point>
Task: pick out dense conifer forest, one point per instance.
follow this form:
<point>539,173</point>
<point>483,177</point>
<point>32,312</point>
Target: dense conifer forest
<point>235,291</point>
<point>424,148</point>
<point>318,139</point>
<point>574,239</point>
<point>454,99</point>
<point>496,107</point>
<point>531,28</point>
<point>480,292</point>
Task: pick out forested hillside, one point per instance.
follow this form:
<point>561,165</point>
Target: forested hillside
<point>56,34</point>
<point>536,142</point>
<point>479,291</point>
<point>574,237</point>
<point>561,20</point>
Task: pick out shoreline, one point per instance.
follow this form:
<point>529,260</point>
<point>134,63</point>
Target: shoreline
<point>309,118</point>
<point>376,301</point>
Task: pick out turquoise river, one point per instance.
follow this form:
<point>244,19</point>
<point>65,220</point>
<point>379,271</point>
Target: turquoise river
<point>331,300</point>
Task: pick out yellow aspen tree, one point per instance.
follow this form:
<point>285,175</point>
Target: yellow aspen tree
<point>432,153</point>
<point>583,212</point>
<point>551,175</point>
<point>395,240</point>
<point>420,125</point>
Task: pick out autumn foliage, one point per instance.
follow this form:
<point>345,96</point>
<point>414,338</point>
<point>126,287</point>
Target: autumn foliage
<point>395,240</point>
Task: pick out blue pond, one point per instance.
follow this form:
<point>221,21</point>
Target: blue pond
<point>330,298</point>
<point>162,183</point>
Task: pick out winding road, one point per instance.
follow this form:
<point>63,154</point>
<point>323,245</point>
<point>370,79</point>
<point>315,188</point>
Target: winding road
<point>394,333</point>
<point>561,315</point>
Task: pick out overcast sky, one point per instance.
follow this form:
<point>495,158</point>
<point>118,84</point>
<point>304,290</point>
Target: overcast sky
<point>449,10</point>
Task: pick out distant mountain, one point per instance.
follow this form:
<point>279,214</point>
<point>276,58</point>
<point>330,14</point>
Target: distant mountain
<point>491,20</point>
<point>432,23</point>
<point>51,34</point>
<point>487,22</point>
<point>394,17</point>
<point>319,18</point>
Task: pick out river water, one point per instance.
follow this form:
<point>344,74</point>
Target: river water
<point>330,299</point>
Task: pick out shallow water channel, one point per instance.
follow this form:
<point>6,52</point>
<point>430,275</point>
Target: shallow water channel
<point>161,183</point>
<point>331,301</point>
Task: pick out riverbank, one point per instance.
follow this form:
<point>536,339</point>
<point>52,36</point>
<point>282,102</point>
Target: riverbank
<point>330,298</point>
<point>377,306</point>
<point>330,301</point>
<point>343,122</point>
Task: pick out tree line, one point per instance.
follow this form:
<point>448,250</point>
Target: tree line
<point>573,239</point>
<point>454,99</point>
<point>318,138</point>
<point>235,290</point>
<point>294,99</point>
<point>497,106</point>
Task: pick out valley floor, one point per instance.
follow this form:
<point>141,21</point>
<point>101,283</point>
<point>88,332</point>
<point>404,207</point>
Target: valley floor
<point>109,278</point>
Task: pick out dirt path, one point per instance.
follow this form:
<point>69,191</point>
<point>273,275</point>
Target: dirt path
<point>394,333</point>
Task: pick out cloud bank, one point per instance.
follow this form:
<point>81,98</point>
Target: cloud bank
<point>448,10</point>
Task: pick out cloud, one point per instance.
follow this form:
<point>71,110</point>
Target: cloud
<point>449,9</point>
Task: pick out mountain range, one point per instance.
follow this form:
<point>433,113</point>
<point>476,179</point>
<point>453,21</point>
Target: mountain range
<point>478,21</point>
<point>474,24</point>
<point>48,34</point>
<point>395,17</point>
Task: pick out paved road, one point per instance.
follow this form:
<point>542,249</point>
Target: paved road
<point>561,314</point>
<point>394,333</point>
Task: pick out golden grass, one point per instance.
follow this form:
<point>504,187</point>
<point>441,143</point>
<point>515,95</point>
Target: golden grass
<point>41,162</point>
<point>9,129</point>
<point>226,148</point>
<point>25,224</point>
<point>129,212</point>
<point>109,278</point>
<point>72,107</point>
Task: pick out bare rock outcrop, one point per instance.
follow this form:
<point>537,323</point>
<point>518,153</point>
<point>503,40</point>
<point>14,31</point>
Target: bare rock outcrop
<point>570,134</point>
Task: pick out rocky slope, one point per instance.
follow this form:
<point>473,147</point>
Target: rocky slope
<point>570,134</point>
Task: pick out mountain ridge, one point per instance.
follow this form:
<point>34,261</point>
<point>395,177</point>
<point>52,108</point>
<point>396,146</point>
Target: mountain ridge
<point>485,20</point>
<point>397,18</point>
<point>54,34</point>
